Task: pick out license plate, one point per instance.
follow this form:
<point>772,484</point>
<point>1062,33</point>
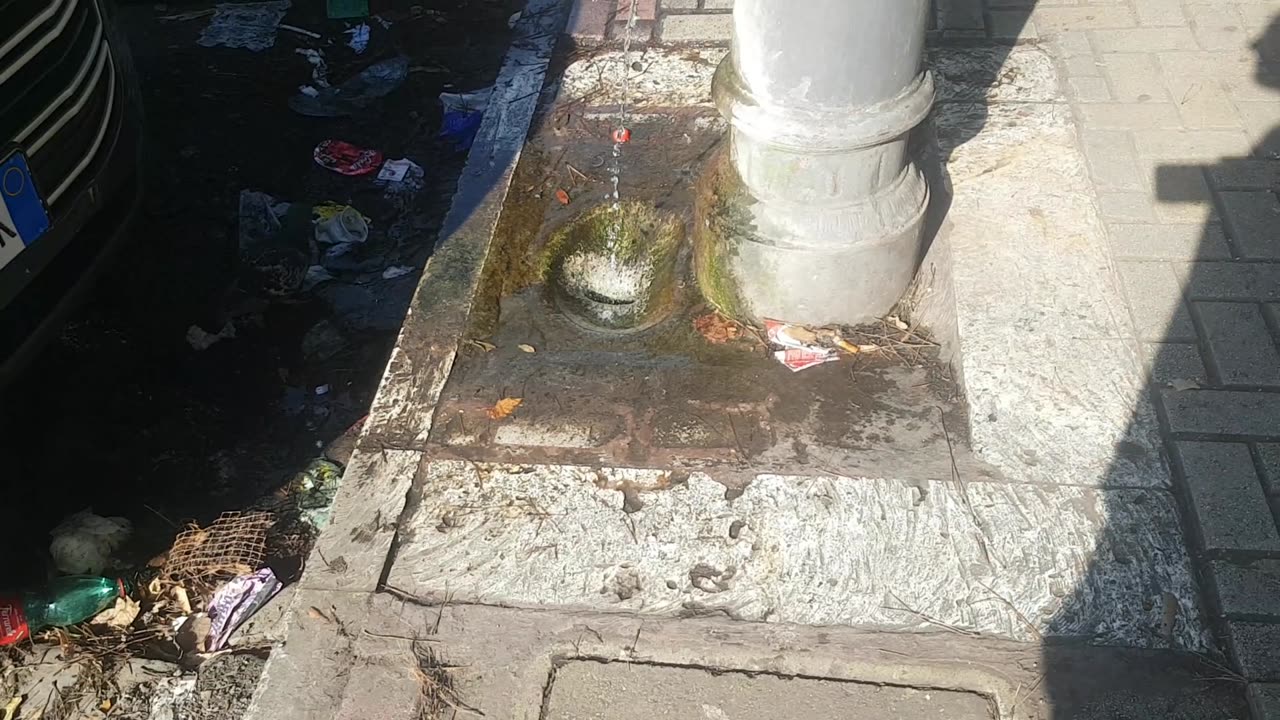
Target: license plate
<point>23,216</point>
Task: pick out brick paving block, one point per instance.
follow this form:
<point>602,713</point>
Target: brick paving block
<point>1252,218</point>
<point>1126,207</point>
<point>1072,43</point>
<point>1239,174</point>
<point>1144,40</point>
<point>1264,701</point>
<point>1189,241</point>
<point>1195,145</point>
<point>644,9</point>
<point>1051,20</point>
<point>1247,588</point>
<point>961,15</point>
<point>1173,362</point>
<point>1112,159</point>
<point>1255,648</point>
<point>1201,100</point>
<point>1012,26</point>
<point>1155,299</point>
<point>1217,27</point>
<point>1230,509</point>
<point>1131,116</point>
<point>1261,120</point>
<point>1269,460</point>
<point>695,28</point>
<point>1259,282</point>
<point>589,21</point>
<point>1132,75</point>
<point>1236,413</point>
<point>1160,13</point>
<point>641,31</point>
<point>1182,192</point>
<point>1088,89</point>
<point>1239,344</point>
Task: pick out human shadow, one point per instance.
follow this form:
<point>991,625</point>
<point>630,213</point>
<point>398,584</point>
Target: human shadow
<point>1213,374</point>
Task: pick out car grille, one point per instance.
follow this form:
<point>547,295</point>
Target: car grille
<point>57,89</point>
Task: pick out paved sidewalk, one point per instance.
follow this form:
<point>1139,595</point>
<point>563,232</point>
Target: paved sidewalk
<point>1178,105</point>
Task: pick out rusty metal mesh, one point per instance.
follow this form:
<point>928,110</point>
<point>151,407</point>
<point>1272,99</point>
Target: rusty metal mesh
<point>234,544</point>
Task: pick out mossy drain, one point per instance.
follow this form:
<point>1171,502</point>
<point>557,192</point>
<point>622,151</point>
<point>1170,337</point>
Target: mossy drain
<point>614,267</point>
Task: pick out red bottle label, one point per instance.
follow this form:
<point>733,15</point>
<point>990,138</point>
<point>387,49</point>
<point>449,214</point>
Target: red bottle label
<point>13,622</point>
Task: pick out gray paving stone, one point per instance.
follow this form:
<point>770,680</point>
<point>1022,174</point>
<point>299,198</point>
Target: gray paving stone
<point>679,4</point>
<point>1184,241</point>
<point>1247,588</point>
<point>1259,282</point>
<point>1252,220</point>
<point>1159,13</point>
<point>1088,89</point>
<point>961,15</point>
<point>1240,346</point>
<point>1196,145</point>
<point>1144,40</point>
<point>1182,192</point>
<point>1230,509</point>
<point>1051,19</point>
<point>1264,701</point>
<point>1238,413</point>
<point>1126,207</point>
<point>1155,300</point>
<point>1131,77</point>
<point>1174,362</point>
<point>1255,647</point>
<point>1011,26</point>
<point>1269,462</point>
<point>1131,116</point>
<point>717,4</point>
<point>695,28</point>
<point>1260,121</point>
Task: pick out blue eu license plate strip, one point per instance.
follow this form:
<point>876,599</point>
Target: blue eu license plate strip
<point>23,217</point>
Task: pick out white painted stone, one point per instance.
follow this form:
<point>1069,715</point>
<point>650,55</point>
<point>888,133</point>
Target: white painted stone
<point>1004,559</point>
<point>667,78</point>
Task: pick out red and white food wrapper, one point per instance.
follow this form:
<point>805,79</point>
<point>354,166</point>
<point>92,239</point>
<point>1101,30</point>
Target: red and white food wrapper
<point>796,355</point>
<point>346,159</point>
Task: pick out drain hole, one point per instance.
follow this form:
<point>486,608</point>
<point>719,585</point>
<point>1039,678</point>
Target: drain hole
<point>603,299</point>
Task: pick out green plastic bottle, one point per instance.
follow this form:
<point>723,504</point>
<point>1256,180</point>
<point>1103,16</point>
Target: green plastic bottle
<point>61,602</point>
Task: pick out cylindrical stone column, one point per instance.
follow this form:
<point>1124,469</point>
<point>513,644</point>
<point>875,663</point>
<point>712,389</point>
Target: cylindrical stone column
<point>816,216</point>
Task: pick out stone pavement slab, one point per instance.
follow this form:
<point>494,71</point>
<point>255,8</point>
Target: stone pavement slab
<point>597,691</point>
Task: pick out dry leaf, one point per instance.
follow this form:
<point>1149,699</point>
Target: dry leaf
<point>316,613</point>
<point>562,196</point>
<point>485,346</point>
<point>180,597</point>
<point>716,328</point>
<point>119,616</point>
<point>503,408</point>
<point>526,348</point>
<point>895,321</point>
<point>105,706</point>
<point>1184,384</point>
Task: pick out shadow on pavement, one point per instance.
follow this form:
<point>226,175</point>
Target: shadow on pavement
<point>1215,470</point>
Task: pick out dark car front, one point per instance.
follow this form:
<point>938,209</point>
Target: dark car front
<point>69,145</point>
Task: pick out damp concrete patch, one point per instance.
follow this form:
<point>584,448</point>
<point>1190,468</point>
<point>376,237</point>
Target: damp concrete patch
<point>1011,560</point>
<point>624,691</point>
